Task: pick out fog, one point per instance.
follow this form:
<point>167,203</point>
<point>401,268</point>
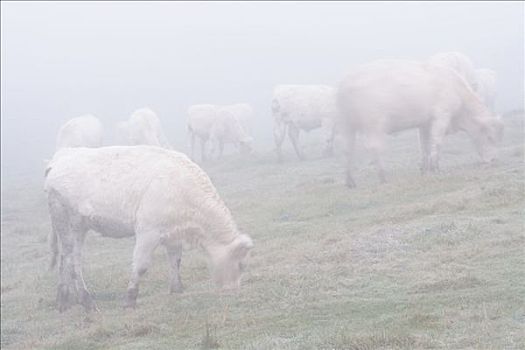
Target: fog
<point>61,60</point>
<point>409,240</point>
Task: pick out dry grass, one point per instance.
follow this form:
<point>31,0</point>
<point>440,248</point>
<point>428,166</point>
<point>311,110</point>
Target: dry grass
<point>421,262</point>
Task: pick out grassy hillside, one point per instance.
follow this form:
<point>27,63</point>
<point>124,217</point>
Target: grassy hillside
<point>420,262</point>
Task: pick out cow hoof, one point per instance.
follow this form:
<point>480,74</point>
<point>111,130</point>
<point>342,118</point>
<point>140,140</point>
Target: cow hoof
<point>176,289</point>
<point>350,183</point>
<point>130,304</point>
<point>131,298</point>
<point>87,301</point>
<point>92,306</point>
<point>328,153</point>
<point>64,298</point>
<point>63,306</point>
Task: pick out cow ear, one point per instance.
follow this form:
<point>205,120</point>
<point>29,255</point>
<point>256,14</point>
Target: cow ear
<point>242,245</point>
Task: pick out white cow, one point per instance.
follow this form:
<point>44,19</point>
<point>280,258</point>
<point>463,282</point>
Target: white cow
<point>486,86</point>
<point>243,112</point>
<point>220,124</point>
<point>458,62</point>
<point>386,96</point>
<point>157,195</point>
<point>142,128</point>
<point>303,107</point>
<point>83,131</point>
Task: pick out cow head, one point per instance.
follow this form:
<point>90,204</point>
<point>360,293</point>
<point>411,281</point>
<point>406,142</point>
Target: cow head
<point>245,145</point>
<point>486,135</point>
<point>229,267</point>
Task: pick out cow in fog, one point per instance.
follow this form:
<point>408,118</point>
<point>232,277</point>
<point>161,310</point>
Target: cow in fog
<point>157,195</point>
<point>386,96</point>
<point>244,113</point>
<point>486,86</point>
<point>142,128</point>
<point>218,125</point>
<point>458,62</point>
<point>303,107</point>
<point>83,131</point>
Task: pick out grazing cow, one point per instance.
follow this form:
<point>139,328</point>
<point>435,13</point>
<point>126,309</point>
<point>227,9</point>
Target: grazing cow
<point>386,96</point>
<point>83,131</point>
<point>243,112</point>
<point>220,125</point>
<point>142,128</point>
<point>303,107</point>
<point>486,86</point>
<point>157,195</point>
<point>458,62</point>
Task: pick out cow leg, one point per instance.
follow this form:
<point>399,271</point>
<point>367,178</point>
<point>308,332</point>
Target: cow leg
<point>145,244</point>
<point>279,132</point>
<point>374,144</point>
<point>61,225</point>
<point>213,149</point>
<point>349,152</point>
<point>378,160</point>
<point>293,133</point>
<point>203,149</point>
<point>84,295</point>
<point>424,142</point>
<point>174,253</point>
<point>328,129</point>
<point>437,134</point>
<point>192,145</point>
<point>66,290</point>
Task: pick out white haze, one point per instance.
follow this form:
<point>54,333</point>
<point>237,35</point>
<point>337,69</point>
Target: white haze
<point>61,60</point>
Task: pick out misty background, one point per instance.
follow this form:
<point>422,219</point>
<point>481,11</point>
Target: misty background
<point>61,60</point>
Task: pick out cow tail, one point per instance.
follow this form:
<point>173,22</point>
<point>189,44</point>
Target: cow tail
<point>53,245</point>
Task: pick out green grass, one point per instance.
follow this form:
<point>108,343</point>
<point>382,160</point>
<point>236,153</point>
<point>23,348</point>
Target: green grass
<point>417,263</point>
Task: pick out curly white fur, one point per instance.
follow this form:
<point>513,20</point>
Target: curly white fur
<point>158,195</point>
<point>142,128</point>
<point>304,107</point>
<point>83,131</point>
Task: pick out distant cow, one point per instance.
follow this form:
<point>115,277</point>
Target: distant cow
<point>383,97</point>
<point>243,112</point>
<point>142,128</point>
<point>157,195</point>
<point>83,131</point>
<point>486,86</point>
<point>303,107</point>
<point>220,125</point>
<point>458,62</point>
